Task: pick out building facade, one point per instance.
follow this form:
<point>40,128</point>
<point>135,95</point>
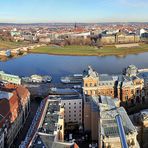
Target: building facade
<point>14,109</point>
<point>99,120</point>
<point>129,87</point>
<point>73,108</point>
<point>48,131</point>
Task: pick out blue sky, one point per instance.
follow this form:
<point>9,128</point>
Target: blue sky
<point>30,11</point>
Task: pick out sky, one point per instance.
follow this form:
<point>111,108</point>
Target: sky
<point>91,11</point>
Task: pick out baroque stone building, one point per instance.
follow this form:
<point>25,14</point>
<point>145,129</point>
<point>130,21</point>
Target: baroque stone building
<point>128,87</point>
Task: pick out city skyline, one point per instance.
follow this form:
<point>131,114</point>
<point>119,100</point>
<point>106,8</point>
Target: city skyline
<point>64,11</point>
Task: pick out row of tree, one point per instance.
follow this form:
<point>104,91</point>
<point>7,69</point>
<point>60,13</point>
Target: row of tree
<point>82,41</point>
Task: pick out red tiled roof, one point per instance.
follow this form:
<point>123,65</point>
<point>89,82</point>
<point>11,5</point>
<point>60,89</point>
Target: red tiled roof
<point>9,109</point>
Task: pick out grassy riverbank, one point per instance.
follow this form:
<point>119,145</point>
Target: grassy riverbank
<point>90,51</point>
<point>10,45</point>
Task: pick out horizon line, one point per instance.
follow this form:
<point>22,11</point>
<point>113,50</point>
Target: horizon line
<point>73,22</point>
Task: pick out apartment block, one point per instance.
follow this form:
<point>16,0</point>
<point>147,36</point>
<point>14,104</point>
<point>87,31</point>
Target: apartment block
<point>49,130</point>
<point>73,108</point>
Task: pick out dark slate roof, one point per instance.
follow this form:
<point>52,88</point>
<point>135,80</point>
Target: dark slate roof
<point>105,77</point>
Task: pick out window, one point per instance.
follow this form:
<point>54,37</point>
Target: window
<point>91,92</point>
<point>74,107</point>
<point>79,102</point>
<point>74,115</point>
<point>75,103</point>
<point>90,84</point>
<point>69,107</point>
<point>69,111</point>
<point>69,103</point>
<point>86,85</point>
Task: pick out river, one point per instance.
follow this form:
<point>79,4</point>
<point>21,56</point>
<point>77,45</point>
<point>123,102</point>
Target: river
<point>58,66</point>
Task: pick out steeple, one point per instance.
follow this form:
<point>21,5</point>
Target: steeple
<point>75,25</point>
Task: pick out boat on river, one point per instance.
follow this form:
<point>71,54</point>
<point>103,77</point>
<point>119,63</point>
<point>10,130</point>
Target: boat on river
<point>37,79</point>
<point>72,79</point>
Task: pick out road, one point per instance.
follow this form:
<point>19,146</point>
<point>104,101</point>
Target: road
<point>21,136</point>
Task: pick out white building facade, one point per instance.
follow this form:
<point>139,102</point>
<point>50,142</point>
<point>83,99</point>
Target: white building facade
<point>73,108</point>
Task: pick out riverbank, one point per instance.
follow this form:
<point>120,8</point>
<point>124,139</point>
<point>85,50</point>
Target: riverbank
<point>89,50</point>
<point>11,44</point>
<point>13,56</point>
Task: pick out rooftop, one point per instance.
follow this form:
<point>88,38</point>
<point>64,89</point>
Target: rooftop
<point>48,142</point>
<point>61,91</point>
<point>70,97</point>
<point>108,100</point>
<point>109,124</point>
<point>105,77</point>
<point>51,118</point>
<point>43,141</point>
